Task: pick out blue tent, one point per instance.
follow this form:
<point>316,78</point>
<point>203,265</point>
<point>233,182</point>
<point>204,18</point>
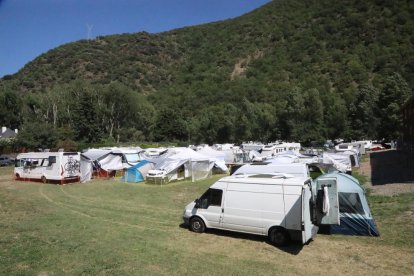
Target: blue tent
<point>137,172</point>
<point>355,215</point>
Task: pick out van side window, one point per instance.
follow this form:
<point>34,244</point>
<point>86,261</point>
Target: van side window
<point>212,197</point>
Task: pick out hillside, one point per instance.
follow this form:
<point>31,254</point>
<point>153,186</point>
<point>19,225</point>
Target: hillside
<point>288,70</point>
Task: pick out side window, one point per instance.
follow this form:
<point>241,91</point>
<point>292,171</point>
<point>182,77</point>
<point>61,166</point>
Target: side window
<point>212,197</point>
<point>350,203</point>
<point>52,160</point>
<point>215,198</point>
<point>45,162</point>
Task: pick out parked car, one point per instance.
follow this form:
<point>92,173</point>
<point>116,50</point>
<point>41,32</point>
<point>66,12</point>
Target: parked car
<point>5,161</point>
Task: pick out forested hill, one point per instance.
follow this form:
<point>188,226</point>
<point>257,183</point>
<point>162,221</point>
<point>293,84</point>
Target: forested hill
<point>296,70</point>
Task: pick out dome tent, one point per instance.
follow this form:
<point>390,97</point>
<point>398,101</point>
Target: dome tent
<point>355,214</point>
<point>138,172</point>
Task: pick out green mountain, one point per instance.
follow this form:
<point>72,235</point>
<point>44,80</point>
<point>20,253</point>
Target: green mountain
<point>296,70</point>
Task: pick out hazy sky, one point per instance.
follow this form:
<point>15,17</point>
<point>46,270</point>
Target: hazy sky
<point>29,28</point>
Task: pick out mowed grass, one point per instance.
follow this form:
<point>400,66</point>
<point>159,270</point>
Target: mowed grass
<point>109,227</point>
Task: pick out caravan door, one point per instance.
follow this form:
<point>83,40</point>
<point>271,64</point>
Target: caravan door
<point>327,203</point>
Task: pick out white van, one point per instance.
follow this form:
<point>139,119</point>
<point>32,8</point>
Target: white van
<point>48,166</point>
<point>279,206</point>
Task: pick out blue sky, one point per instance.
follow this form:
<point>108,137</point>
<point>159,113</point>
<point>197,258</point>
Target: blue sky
<point>29,28</point>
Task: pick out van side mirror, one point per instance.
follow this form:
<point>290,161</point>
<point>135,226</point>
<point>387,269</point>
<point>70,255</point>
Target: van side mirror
<point>197,203</point>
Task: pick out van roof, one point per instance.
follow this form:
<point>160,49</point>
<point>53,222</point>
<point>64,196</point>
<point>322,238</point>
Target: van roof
<point>266,179</point>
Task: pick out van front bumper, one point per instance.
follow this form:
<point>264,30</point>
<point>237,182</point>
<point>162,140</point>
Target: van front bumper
<point>186,221</point>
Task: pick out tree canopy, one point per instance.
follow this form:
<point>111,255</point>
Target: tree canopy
<point>293,70</point>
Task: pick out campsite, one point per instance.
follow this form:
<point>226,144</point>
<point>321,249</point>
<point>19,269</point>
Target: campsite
<point>111,227</point>
<point>265,137</point>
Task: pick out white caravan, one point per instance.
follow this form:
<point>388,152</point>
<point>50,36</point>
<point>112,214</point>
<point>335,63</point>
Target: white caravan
<point>275,205</point>
<point>48,166</point>
<point>275,149</point>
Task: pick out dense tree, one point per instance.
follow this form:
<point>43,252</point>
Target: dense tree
<point>363,114</point>
<point>391,98</point>
<point>291,70</point>
<point>37,136</point>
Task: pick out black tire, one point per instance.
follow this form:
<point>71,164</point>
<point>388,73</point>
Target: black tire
<point>279,237</point>
<point>44,180</point>
<point>197,225</point>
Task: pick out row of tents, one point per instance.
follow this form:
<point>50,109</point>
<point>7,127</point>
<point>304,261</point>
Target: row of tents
<point>177,163</point>
<point>137,166</point>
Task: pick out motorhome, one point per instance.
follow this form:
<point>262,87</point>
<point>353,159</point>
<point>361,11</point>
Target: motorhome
<point>280,206</point>
<point>344,147</point>
<point>48,166</point>
<point>275,149</point>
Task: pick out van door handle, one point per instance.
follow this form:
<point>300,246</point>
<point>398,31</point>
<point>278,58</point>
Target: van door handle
<point>222,210</point>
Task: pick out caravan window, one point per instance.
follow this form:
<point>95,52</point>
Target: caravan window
<point>350,203</point>
<point>19,163</point>
<point>212,197</point>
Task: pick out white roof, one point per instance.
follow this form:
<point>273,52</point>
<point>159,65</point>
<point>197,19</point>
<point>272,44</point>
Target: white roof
<point>296,169</point>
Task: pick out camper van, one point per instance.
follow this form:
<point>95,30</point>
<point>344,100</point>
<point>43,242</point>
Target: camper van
<point>275,149</point>
<point>280,206</point>
<point>48,166</point>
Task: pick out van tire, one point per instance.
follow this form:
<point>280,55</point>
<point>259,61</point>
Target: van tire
<point>44,180</point>
<point>197,225</point>
<point>278,236</point>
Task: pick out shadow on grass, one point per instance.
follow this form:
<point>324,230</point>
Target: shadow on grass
<point>393,166</point>
<point>293,247</point>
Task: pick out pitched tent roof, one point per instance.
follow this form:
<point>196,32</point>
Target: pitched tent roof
<point>219,157</point>
<point>355,214</point>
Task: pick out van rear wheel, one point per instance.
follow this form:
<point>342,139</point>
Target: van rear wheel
<point>197,225</point>
<point>278,237</point>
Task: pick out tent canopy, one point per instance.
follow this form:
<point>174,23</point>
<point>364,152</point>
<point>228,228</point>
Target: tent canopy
<point>355,214</point>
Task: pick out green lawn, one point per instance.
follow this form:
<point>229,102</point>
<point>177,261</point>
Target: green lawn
<point>109,227</point>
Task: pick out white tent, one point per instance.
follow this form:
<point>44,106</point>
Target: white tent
<point>341,162</point>
<point>86,169</point>
<point>185,164</point>
<point>218,156</point>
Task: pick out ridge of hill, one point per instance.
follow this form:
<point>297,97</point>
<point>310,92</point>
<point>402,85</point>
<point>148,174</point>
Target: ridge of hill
<point>289,62</point>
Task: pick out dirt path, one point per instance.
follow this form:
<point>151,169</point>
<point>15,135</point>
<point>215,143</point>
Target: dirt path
<point>389,189</point>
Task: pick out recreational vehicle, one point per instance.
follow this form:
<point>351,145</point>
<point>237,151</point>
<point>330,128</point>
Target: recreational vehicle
<point>279,206</point>
<point>48,166</point>
<point>275,149</point>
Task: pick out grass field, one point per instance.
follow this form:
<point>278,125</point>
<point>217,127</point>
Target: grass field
<point>109,227</point>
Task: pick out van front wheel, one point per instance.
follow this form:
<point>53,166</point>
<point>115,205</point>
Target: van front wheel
<point>197,225</point>
<point>278,237</point>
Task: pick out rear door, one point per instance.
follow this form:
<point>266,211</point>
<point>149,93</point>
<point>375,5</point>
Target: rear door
<point>327,203</point>
<point>307,225</point>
